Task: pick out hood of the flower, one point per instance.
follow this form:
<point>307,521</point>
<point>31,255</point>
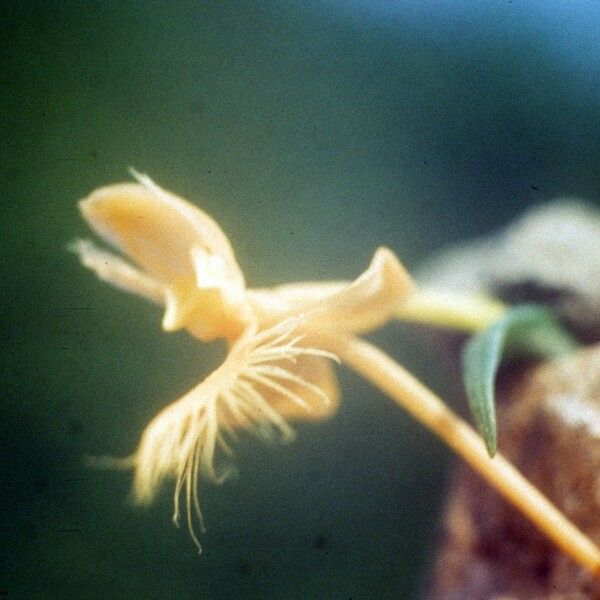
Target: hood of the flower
<point>181,248</point>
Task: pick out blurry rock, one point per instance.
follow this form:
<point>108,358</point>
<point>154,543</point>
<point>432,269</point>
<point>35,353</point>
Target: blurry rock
<point>549,426</point>
<point>551,256</point>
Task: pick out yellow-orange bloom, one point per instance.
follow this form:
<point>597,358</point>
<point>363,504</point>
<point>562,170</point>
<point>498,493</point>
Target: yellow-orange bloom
<point>281,343</point>
<point>275,370</point>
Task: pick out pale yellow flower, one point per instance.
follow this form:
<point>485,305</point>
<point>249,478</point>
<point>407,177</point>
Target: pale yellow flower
<point>275,370</point>
<point>281,344</point>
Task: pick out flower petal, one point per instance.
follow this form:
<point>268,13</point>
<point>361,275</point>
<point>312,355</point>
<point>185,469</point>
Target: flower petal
<point>158,230</point>
<point>114,270</point>
<point>365,304</point>
<point>181,249</point>
<point>315,371</point>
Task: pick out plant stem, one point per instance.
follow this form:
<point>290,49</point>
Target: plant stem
<point>445,308</point>
<point>430,410</point>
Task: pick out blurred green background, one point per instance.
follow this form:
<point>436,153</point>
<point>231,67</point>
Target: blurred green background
<point>313,132</point>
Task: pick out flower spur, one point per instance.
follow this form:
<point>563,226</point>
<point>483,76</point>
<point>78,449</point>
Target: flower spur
<point>281,344</point>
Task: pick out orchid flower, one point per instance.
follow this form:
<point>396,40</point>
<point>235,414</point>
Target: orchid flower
<point>282,342</point>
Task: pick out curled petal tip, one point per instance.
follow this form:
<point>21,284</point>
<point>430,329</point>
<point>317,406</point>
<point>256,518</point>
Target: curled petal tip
<point>371,299</point>
<point>393,271</point>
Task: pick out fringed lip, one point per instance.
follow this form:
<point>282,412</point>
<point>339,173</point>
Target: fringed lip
<point>190,438</point>
<point>273,374</point>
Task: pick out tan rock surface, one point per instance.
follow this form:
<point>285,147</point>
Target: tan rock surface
<point>549,426</point>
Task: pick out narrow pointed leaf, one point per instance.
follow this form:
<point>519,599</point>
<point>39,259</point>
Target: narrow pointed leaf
<point>528,330</point>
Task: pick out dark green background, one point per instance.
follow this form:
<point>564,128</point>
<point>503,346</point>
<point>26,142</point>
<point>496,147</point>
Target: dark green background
<point>313,131</point>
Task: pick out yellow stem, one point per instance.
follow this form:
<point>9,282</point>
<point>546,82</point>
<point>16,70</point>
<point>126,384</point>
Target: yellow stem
<point>455,310</point>
<point>430,410</point>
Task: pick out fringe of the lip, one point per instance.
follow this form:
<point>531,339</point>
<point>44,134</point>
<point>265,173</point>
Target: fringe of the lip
<point>183,439</point>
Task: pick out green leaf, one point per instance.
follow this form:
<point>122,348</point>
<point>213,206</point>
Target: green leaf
<point>528,330</point>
